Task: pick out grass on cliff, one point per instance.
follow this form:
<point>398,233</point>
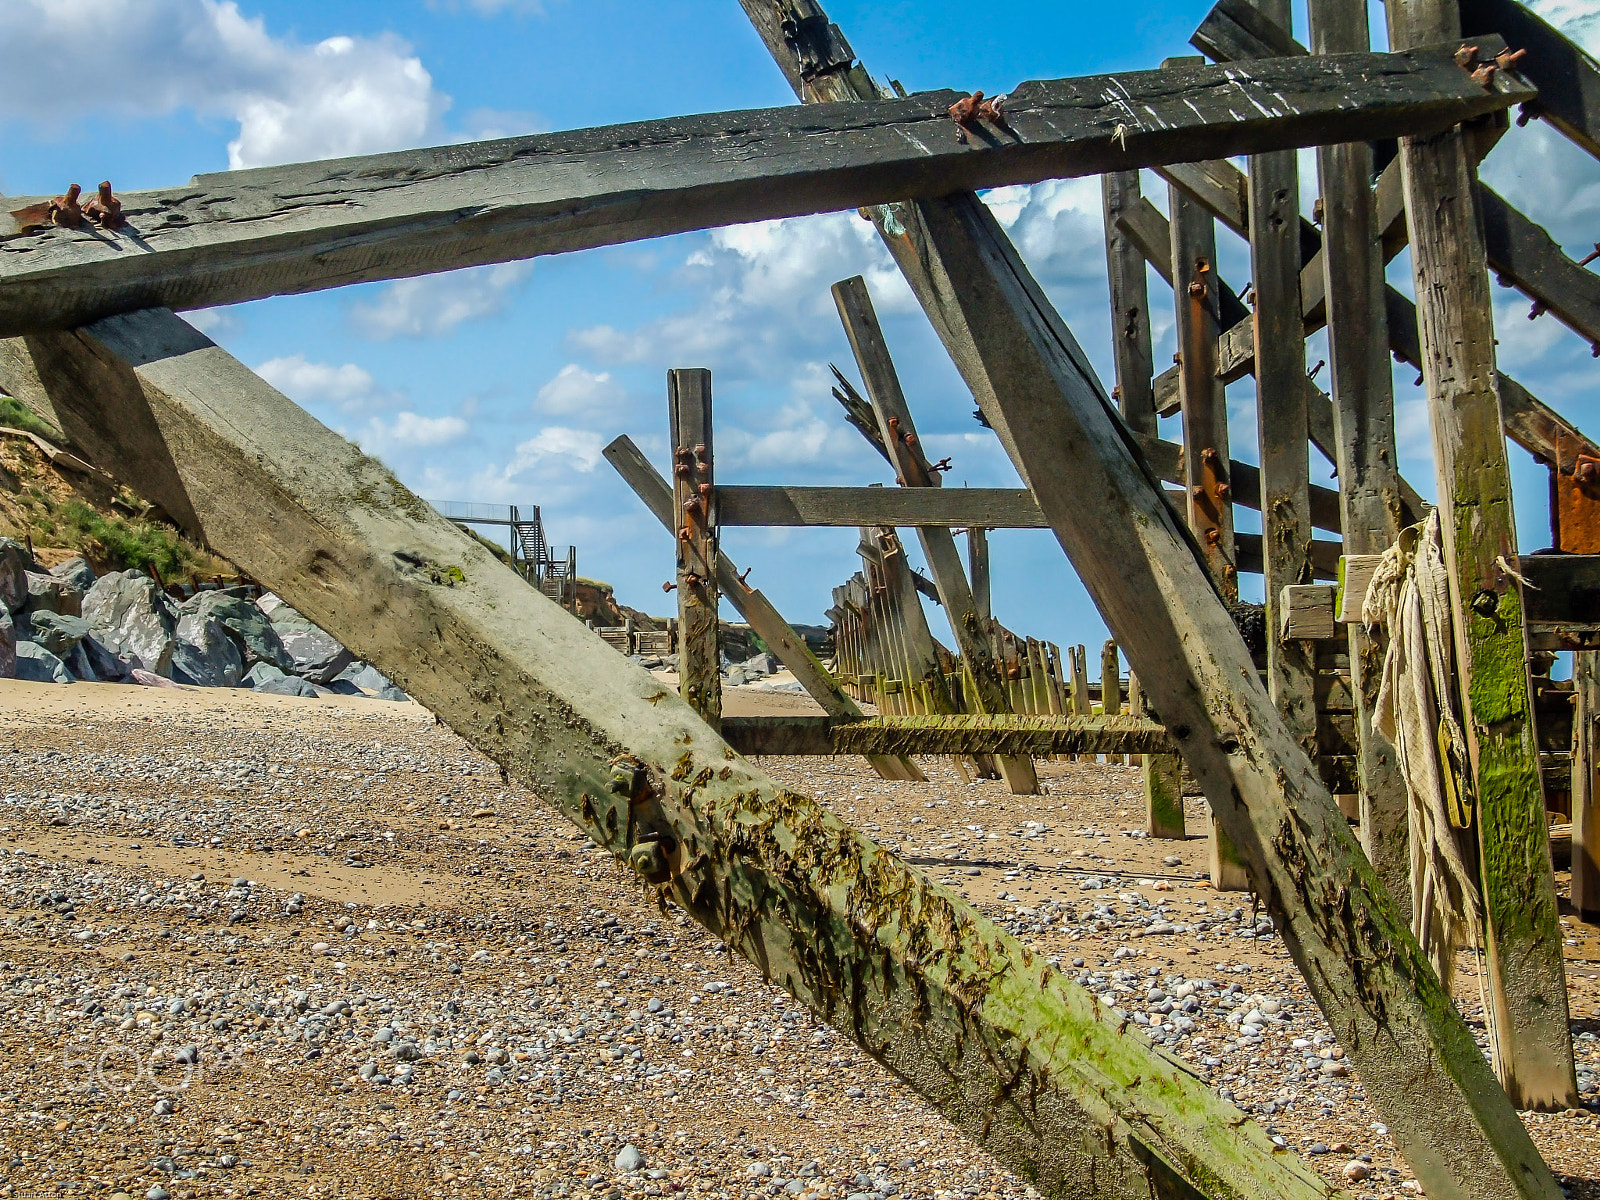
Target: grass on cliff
<point>136,543</point>
<point>15,413</point>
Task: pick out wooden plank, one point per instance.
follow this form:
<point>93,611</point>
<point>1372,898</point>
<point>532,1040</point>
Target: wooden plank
<point>694,503</point>
<point>1130,306</point>
<point>839,507</point>
<point>272,231</point>
<point>965,734</point>
<point>1282,421</point>
<point>1526,981</point>
<point>1586,786</point>
<point>915,476</point>
<point>1563,589</point>
<point>1162,776</point>
<point>1418,1063</point>
<point>951,1003</point>
<point>1324,556</point>
<point>978,564</point>
<point>760,613</point>
<point>1524,254</point>
<point>1305,612</point>
<point>1568,79</point>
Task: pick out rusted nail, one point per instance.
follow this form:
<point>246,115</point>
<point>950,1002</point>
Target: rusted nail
<point>1537,310</point>
<point>105,209</point>
<point>1466,56</point>
<point>1484,75</point>
<point>994,111</point>
<point>65,210</point>
<point>963,112</point>
<point>669,587</point>
<point>1318,211</point>
<point>1312,374</point>
<point>1509,58</point>
<point>1526,111</point>
<point>942,465</point>
<point>744,575</point>
<point>1591,256</point>
<point>1213,537</point>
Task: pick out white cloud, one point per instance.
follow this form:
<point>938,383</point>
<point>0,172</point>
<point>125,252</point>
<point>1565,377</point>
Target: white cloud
<point>575,390</point>
<point>578,449</point>
<point>1578,19</point>
<point>293,101</point>
<point>413,429</point>
<point>214,322</point>
<point>491,8</point>
<point>348,386</point>
<point>431,305</point>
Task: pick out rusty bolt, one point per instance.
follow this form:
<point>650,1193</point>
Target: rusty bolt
<point>1197,288</point>
<point>744,575</point>
<point>1198,492</point>
<point>1591,256</point>
<point>692,505</point>
<point>648,858</point>
<point>700,451</point>
<point>1587,471</point>
<point>1224,491</point>
<point>1484,75</point>
<point>683,470</point>
<point>105,208</point>
<point>910,439</point>
<point>65,210</point>
<point>1466,56</point>
<point>1538,309</point>
<point>1526,111</point>
<point>1210,456</point>
<point>1509,58</point>
<point>692,580</point>
<point>942,465</point>
<point>704,490</point>
<point>624,777</point>
<point>1213,537</point>
<point>685,534</point>
<point>669,587</point>
<point>1485,603</point>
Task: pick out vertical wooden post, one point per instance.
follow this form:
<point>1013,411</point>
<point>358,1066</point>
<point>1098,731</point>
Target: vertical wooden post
<point>899,433</point>
<point>1051,657</point>
<point>695,500</point>
<point>1163,779</point>
<point>1527,978</point>
<point>978,565</point>
<point>1130,306</point>
<point>1205,428</point>
<point>1111,686</point>
<point>1281,418</point>
<point>1586,786</point>
<point>1362,386</point>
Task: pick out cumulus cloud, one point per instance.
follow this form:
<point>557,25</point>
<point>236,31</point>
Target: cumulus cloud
<point>413,429</point>
<point>575,390</point>
<point>293,101</point>
<point>431,305</point>
<point>578,449</point>
<point>346,386</point>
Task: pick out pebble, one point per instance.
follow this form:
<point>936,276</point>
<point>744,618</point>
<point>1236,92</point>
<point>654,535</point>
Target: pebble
<point>1355,1170</point>
<point>629,1159</point>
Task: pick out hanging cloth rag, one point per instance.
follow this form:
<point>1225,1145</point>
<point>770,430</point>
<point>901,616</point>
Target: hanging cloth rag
<point>1417,711</point>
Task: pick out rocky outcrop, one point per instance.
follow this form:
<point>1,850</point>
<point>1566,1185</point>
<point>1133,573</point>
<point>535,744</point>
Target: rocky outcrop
<point>15,563</point>
<point>131,616</point>
<point>206,653</point>
<point>315,655</point>
<point>46,592</point>
<point>245,622</point>
<point>75,573</point>
<point>58,633</point>
<point>8,645</point>
<point>288,685</point>
<point>38,665</point>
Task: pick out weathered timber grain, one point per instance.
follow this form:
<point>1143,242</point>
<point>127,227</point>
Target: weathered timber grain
<point>281,230</point>
<point>1586,786</point>
<point>1282,423</point>
<point>1006,734</point>
<point>769,625</point>
<point>948,1001</point>
<point>1361,381</point>
<point>1417,1059</point>
<point>694,503</point>
<point>913,473</point>
<point>978,565</point>
<point>1527,981</point>
<point>1130,306</point>
<point>783,506</point>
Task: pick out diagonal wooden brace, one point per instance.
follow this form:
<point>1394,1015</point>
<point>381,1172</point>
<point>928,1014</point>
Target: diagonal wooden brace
<point>1058,1086</point>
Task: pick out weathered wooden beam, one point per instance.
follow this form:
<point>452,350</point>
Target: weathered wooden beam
<point>245,235</point>
<point>785,506</point>
<point>978,564</point>
<point>1586,786</point>
<point>1567,78</point>
<point>1004,734</point>
<point>1417,1059</point>
<point>914,474</point>
<point>1361,381</point>
<point>1526,978</point>
<point>769,625</point>
<point>949,1002</point>
<point>1282,420</point>
<point>694,502</point>
<point>1130,306</point>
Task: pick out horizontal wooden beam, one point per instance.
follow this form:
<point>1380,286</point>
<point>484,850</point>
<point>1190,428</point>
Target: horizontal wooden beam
<point>784,506</point>
<point>272,231</point>
<point>1568,79</point>
<point>1561,589</point>
<point>1004,734</point>
<point>1324,556</point>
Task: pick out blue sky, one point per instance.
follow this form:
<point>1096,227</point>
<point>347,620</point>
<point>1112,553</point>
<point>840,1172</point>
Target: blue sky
<point>501,384</point>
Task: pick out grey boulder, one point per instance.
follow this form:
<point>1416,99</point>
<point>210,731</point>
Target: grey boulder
<point>57,632</point>
<point>288,685</point>
<point>38,665</point>
<point>8,646</point>
<point>206,654</point>
<point>317,656</point>
<point>104,664</point>
<point>75,573</point>
<point>245,623</point>
<point>46,593</point>
<point>365,676</point>
<point>259,674</point>
<point>130,615</point>
<point>15,563</point>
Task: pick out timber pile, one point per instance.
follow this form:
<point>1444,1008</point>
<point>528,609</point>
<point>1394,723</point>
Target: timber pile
<point>1040,1071</point>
